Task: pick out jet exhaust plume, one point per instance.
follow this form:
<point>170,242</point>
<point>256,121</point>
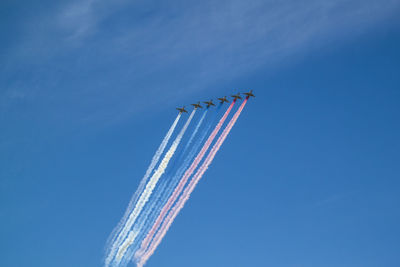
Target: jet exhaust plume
<point>183,181</point>
<point>161,193</point>
<point>143,254</point>
<point>113,237</point>
<point>195,131</point>
<point>164,189</point>
<point>144,197</point>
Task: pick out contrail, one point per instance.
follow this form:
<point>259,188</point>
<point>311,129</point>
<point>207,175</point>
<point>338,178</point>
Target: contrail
<point>160,193</point>
<point>182,154</point>
<point>195,131</point>
<point>188,190</point>
<point>144,197</point>
<point>142,184</point>
<point>166,188</point>
<point>186,163</point>
<point>184,179</point>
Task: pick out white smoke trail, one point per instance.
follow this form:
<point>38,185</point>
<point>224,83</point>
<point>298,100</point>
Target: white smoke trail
<point>182,183</point>
<point>147,193</point>
<point>152,210</point>
<point>165,189</point>
<point>114,238</point>
<point>188,190</point>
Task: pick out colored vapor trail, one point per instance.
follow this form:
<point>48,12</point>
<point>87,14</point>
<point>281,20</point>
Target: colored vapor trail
<point>144,197</point>
<point>184,180</point>
<point>185,195</point>
<point>153,163</point>
<point>150,186</point>
<point>169,181</point>
<point>195,132</point>
<point>165,189</point>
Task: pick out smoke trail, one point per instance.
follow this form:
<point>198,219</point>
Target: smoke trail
<point>164,191</point>
<point>189,189</point>
<point>209,123</point>
<point>166,188</point>
<point>162,194</point>
<point>144,197</point>
<point>195,132</point>
<point>180,155</point>
<point>153,163</point>
<point>184,179</point>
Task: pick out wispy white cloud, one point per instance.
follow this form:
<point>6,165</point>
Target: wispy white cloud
<point>112,50</point>
<point>79,18</point>
<point>82,18</point>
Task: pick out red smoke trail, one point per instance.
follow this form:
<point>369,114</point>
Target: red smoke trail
<point>185,177</point>
<point>189,189</point>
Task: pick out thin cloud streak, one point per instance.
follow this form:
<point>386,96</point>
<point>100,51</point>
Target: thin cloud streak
<point>156,51</point>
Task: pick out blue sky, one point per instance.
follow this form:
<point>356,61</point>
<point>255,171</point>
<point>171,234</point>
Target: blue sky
<point>308,177</point>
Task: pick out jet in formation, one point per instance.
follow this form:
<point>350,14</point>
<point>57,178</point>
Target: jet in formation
<point>182,110</point>
<point>249,94</point>
<point>209,103</point>
<point>197,105</point>
<point>222,100</point>
<point>236,97</point>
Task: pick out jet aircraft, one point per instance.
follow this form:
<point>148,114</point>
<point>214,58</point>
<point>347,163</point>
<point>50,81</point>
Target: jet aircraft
<point>181,110</point>
<point>197,105</point>
<point>223,99</point>
<point>249,94</point>
<point>237,96</point>
<point>209,103</point>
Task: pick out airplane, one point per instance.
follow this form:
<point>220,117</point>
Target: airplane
<point>249,94</point>
<point>181,110</point>
<point>223,99</point>
<point>235,97</point>
<point>197,105</point>
<point>209,103</point>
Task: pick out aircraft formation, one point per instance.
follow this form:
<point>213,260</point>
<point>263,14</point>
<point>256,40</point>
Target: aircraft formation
<point>170,180</point>
<point>210,103</point>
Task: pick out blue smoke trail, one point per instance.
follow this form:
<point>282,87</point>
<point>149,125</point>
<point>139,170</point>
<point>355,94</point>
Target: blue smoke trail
<point>166,187</point>
<point>169,186</point>
<point>119,246</point>
<point>153,163</point>
<point>179,155</point>
<point>195,132</point>
<point>179,158</point>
